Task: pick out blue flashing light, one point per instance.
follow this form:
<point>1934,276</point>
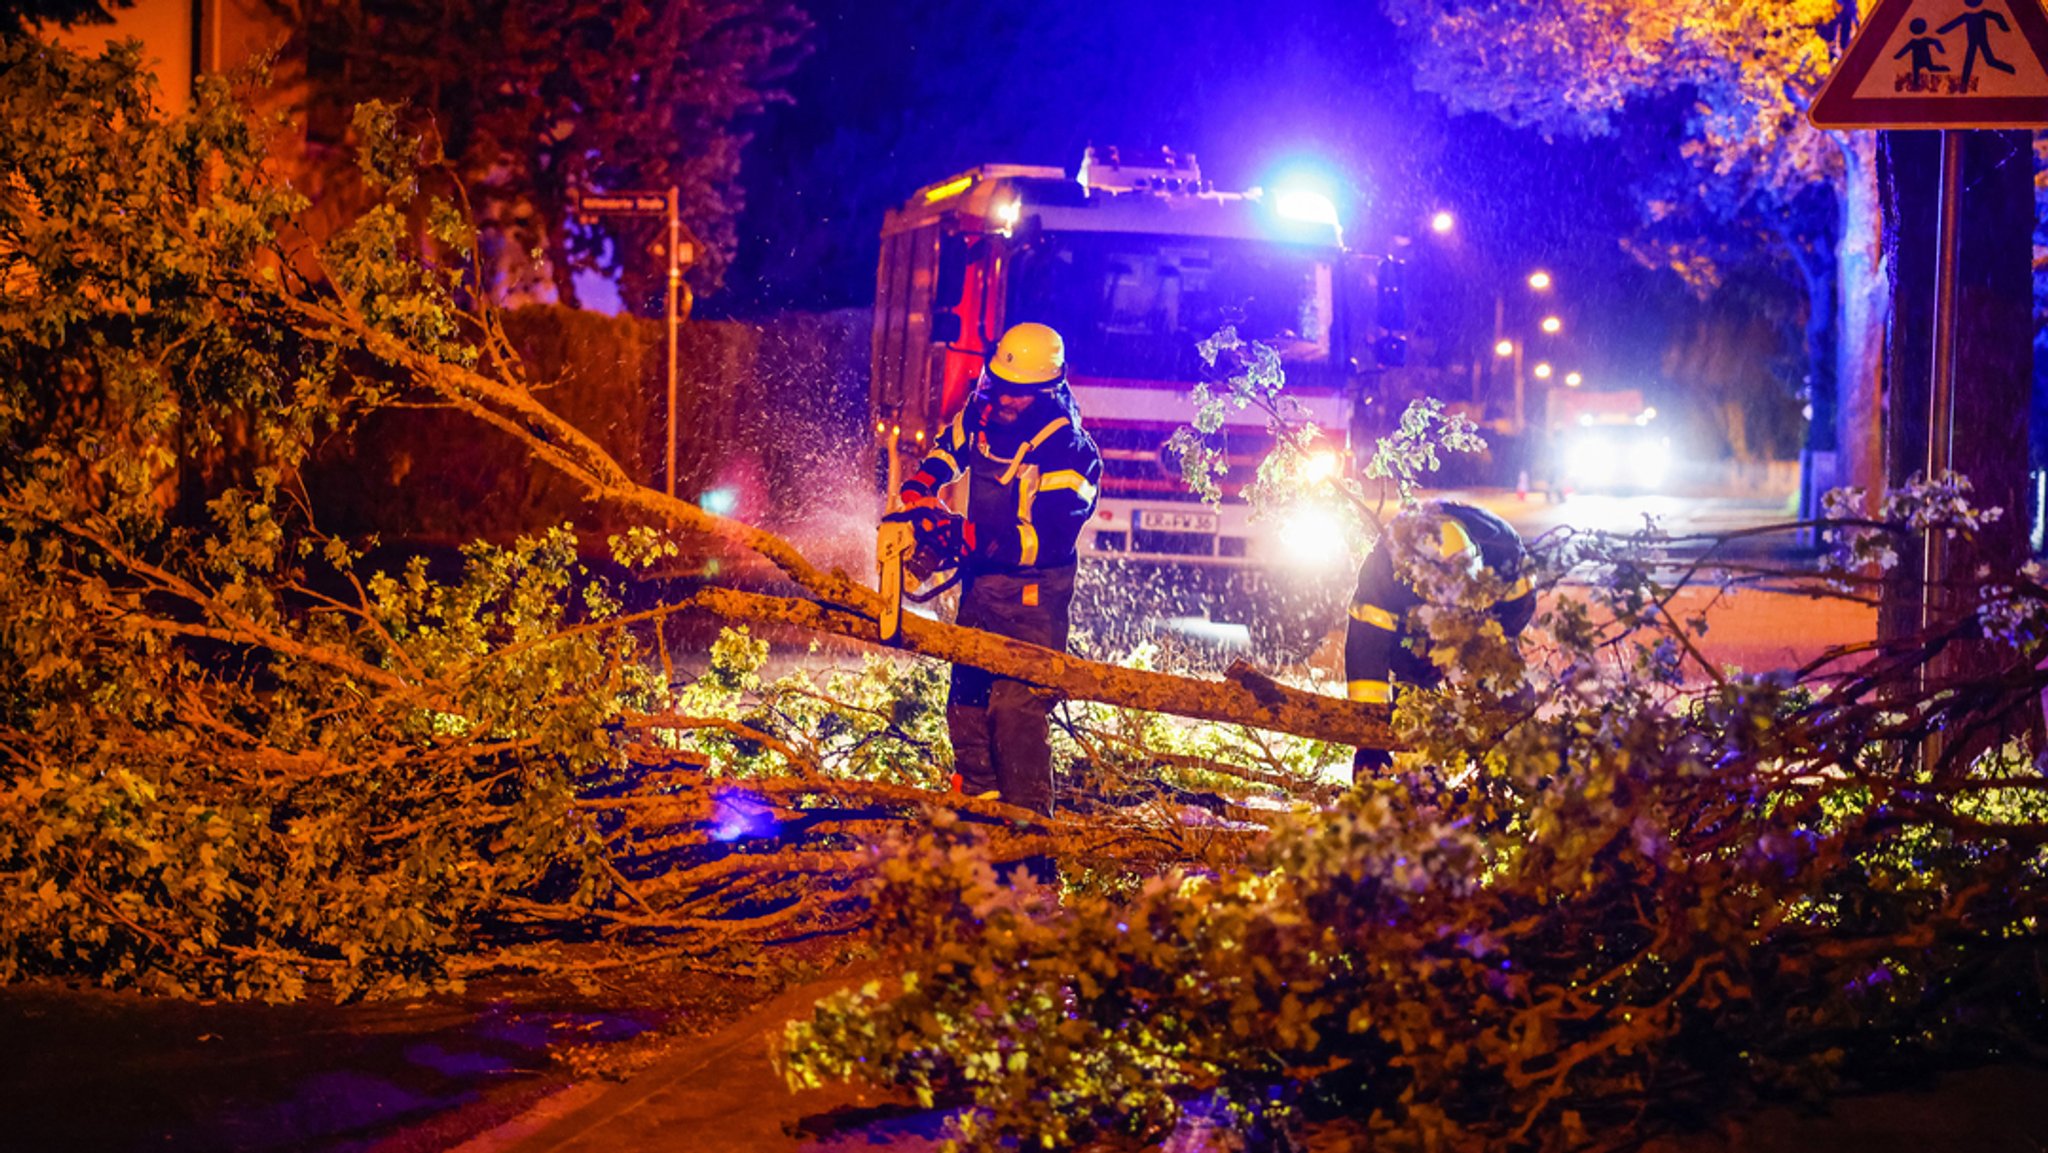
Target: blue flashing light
<point>1305,192</point>
<point>1306,205</point>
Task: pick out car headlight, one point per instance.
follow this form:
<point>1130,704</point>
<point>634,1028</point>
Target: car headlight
<point>1590,460</point>
<point>1649,460</point>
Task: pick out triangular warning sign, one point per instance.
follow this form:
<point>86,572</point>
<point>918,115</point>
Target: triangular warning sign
<point>1941,64</point>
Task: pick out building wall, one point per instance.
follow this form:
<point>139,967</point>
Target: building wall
<point>183,38</point>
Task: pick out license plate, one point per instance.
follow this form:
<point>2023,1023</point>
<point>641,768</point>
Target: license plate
<point>1175,520</point>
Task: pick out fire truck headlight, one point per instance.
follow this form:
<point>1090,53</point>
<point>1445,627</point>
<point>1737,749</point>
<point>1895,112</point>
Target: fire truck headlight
<point>1320,465</point>
<point>1313,536</point>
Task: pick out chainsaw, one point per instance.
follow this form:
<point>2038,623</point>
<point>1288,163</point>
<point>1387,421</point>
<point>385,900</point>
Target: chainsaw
<point>912,547</point>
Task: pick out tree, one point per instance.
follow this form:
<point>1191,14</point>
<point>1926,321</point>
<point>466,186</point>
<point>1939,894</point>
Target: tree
<point>18,17</point>
<point>534,101</point>
<point>237,757</point>
<point>1736,363</point>
<point>1746,73</point>
<point>1610,879</point>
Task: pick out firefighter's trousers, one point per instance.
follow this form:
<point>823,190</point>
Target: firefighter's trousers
<point>998,724</point>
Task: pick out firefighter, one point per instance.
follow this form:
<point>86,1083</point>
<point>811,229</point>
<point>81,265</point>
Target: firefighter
<point>1377,659</point>
<point>1032,475</point>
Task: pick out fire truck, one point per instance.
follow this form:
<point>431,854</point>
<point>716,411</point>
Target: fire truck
<point>1135,264</point>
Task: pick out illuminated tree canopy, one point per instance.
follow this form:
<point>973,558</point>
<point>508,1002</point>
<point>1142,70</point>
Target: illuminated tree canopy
<point>1739,76</point>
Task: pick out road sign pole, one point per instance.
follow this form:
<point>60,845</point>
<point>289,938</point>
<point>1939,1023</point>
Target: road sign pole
<point>1941,397</point>
<point>1942,393</point>
<point>643,203</point>
<point>675,283</point>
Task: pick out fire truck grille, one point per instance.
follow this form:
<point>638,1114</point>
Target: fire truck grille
<point>1174,543</point>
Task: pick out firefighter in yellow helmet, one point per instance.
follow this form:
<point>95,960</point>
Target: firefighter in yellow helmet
<point>1032,476</point>
<point>1378,661</point>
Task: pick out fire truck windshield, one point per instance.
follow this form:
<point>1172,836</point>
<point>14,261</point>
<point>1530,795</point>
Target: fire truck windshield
<point>1136,306</point>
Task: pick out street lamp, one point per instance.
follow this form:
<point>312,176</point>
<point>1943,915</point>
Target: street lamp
<point>1442,223</point>
<point>1538,280</point>
<point>1542,370</point>
<point>1505,348</point>
<point>1573,379</point>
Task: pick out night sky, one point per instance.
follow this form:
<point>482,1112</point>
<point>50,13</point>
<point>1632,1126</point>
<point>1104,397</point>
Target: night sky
<point>896,95</point>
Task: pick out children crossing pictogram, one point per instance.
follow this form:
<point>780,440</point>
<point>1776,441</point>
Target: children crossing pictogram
<point>1942,64</point>
<point>1922,47</point>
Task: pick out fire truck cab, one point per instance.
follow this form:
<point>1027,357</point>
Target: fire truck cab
<point>1135,265</point>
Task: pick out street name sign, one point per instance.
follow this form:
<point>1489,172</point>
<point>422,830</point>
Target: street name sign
<point>622,204</point>
<point>1941,64</point>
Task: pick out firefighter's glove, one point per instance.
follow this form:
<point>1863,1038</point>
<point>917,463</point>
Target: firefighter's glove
<point>914,501</point>
<point>918,512</point>
<point>942,538</point>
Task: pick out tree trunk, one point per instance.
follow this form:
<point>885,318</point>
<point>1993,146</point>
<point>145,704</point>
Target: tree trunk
<point>1244,696</point>
<point>1862,298</point>
<point>1993,349</point>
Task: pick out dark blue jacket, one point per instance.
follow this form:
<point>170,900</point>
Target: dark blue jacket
<point>1032,483</point>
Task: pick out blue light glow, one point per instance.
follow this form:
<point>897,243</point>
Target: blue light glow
<point>719,501</point>
<point>736,814</point>
<point>1306,193</point>
<point>1305,205</point>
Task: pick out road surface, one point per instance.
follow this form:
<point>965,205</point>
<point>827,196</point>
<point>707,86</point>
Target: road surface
<point>1782,624</point>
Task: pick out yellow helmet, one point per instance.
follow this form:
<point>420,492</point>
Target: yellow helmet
<point>1031,355</point>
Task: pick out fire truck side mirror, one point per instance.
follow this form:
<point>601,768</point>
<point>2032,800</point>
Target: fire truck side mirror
<point>948,286</point>
<point>1380,337</point>
<point>1391,305</point>
<point>1360,326</point>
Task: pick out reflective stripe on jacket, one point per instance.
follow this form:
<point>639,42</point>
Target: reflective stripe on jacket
<point>1376,657</point>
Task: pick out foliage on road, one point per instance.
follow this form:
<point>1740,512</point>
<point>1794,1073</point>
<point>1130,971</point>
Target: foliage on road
<point>1594,903</point>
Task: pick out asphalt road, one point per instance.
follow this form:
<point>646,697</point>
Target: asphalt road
<point>1680,515</point>
<point>1782,622</point>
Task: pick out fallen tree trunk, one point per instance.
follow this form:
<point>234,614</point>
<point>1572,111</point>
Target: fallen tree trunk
<point>1244,696</point>
<point>845,606</point>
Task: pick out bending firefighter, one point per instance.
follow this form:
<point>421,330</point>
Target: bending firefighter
<point>1378,661</point>
<point>1032,475</point>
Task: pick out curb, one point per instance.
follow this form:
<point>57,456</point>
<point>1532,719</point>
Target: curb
<point>716,1093</point>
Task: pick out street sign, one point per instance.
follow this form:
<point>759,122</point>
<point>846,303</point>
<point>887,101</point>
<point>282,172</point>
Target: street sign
<point>1941,64</point>
<point>622,204</point>
<point>588,206</point>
